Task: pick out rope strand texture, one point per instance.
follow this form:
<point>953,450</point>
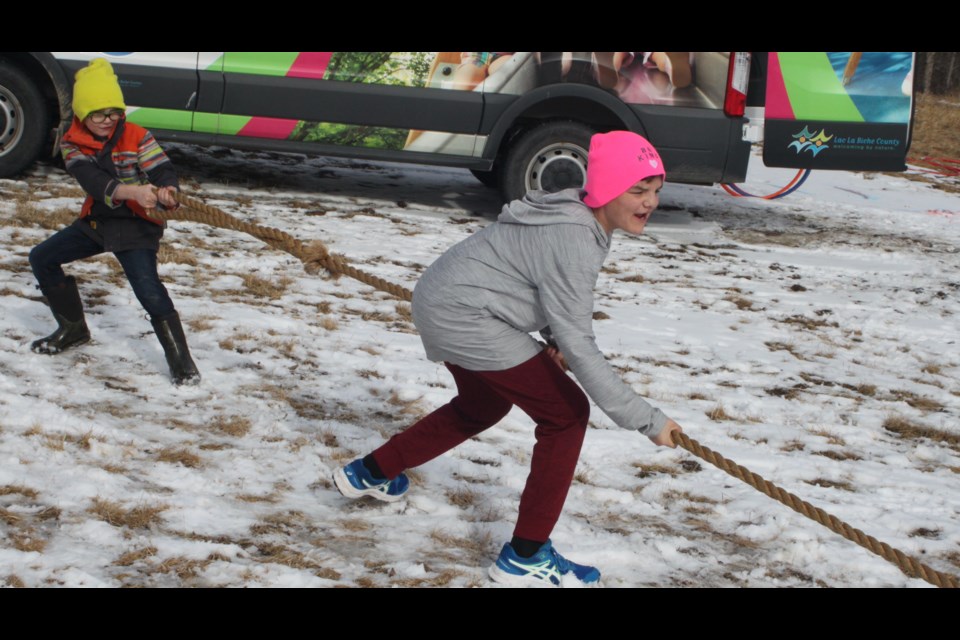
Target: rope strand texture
<point>314,256</point>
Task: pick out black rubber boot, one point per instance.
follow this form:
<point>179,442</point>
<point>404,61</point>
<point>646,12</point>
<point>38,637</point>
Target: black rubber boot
<point>67,308</point>
<point>170,332</point>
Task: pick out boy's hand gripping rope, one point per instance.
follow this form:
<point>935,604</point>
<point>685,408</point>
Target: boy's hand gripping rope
<point>315,256</point>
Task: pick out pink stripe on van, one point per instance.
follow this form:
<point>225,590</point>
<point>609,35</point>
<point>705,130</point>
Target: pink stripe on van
<point>310,64</point>
<point>778,101</point>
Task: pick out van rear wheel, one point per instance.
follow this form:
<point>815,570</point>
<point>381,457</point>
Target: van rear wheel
<point>549,157</point>
<point>24,120</point>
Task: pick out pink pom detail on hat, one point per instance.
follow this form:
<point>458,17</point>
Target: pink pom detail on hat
<point>617,161</point>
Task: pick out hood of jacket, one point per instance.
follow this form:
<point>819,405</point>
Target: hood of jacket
<point>539,208</point>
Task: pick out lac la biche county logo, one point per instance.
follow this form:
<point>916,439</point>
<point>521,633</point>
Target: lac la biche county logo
<point>812,142</point>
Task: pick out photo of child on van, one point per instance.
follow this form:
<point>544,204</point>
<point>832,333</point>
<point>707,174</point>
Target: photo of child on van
<point>476,66</point>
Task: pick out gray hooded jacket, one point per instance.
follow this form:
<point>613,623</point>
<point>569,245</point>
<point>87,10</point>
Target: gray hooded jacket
<point>534,270</point>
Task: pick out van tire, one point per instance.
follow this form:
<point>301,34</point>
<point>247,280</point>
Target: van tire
<point>551,156</point>
<point>24,119</point>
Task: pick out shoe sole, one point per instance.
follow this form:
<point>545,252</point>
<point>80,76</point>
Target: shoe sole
<point>500,576</point>
<point>347,490</point>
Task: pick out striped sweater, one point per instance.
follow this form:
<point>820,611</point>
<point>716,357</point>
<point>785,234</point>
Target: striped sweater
<point>131,156</point>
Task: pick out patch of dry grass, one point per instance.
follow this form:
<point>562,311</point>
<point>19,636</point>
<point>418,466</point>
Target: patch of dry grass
<point>329,323</point>
<point>201,323</point>
<point>184,568</point>
<point>283,522</point>
<point>906,428</point>
<point>14,582</point>
<point>324,307</point>
<point>28,214</point>
<point>740,302</point>
<point>236,426</point>
<point>289,557</point>
<point>270,288</point>
<point>412,408</point>
<point>808,323</point>
<point>785,346</point>
<point>787,393</point>
<point>18,489</point>
<point>936,127</point>
<point>932,368</point>
<point>674,494</point>
<point>838,455</point>
<point>174,455</point>
<point>134,556</point>
<point>269,498</point>
<point>831,438</point>
<point>649,470</point>
<point>136,517</point>
<point>477,548</point>
<point>953,558</point>
<point>169,254</point>
<point>923,403</point>
<point>719,413</point>
<point>27,540</point>
<point>355,524</point>
<point>463,498</point>
<point>9,517</point>
<point>843,485</point>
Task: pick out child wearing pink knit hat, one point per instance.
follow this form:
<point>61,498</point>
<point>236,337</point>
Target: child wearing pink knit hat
<point>475,308</point>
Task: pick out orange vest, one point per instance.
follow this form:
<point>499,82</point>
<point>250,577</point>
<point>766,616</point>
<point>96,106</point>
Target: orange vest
<point>127,144</point>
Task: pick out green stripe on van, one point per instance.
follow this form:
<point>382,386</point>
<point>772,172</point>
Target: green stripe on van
<point>263,63</point>
<point>173,119</point>
<point>206,122</point>
<point>815,91</point>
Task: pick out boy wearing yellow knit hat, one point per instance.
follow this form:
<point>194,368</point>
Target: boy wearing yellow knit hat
<point>125,173</point>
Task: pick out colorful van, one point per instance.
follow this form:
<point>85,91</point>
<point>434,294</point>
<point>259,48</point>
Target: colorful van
<point>517,120</point>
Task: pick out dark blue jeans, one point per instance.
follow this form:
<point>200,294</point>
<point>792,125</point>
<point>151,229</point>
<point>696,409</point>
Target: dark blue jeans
<point>139,265</point>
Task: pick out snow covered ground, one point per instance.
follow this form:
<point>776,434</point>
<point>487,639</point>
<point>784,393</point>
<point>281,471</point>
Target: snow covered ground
<point>812,340</point>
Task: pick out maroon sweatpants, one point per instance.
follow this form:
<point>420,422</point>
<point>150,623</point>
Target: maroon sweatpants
<point>545,393</point>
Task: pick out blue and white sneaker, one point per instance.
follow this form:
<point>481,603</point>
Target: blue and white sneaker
<point>545,568</point>
<point>354,481</point>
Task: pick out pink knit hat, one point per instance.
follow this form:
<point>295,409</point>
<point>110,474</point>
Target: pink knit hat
<point>617,161</point>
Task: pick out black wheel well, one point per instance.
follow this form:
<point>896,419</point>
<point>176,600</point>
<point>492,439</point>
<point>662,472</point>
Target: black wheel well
<point>571,108</point>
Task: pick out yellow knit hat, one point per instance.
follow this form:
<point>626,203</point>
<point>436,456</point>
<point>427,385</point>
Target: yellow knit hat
<point>96,88</point>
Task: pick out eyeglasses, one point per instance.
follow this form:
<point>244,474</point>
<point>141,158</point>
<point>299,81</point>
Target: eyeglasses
<point>98,117</point>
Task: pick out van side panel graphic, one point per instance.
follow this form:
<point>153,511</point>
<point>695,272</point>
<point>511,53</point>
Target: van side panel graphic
<point>815,91</point>
<point>847,110</point>
<point>292,64</point>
